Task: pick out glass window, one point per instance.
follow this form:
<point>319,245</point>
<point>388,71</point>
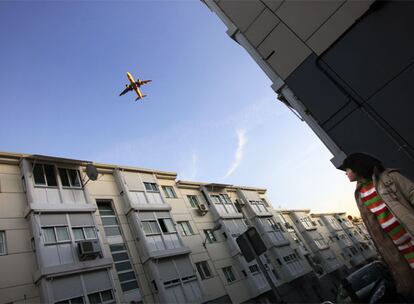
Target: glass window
<point>49,235</point>
<point>74,177</point>
<point>203,270</point>
<point>50,175</point>
<point>78,300</point>
<point>123,266</point>
<point>109,221</point>
<point>126,276</point>
<point>105,208</point>
<point>129,285</point>
<point>151,227</point>
<point>153,187</point>
<point>52,235</point>
<point>78,234</point>
<point>185,228</point>
<point>169,192</point>
<point>122,256</point>
<point>228,274</point>
<point>2,243</point>
<point>193,201</point>
<point>90,232</point>
<point>106,295</point>
<point>95,298</point>
<point>39,175</point>
<point>166,225</point>
<point>64,177</point>
<point>170,225</point>
<point>112,231</point>
<point>69,178</point>
<point>44,175</point>
<point>215,199</point>
<point>118,247</point>
<point>225,198</point>
<point>109,218</point>
<point>62,234</point>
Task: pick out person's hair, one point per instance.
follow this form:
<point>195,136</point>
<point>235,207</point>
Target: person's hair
<point>363,165</point>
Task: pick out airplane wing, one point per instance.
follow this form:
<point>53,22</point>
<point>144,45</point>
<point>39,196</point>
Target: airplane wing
<point>128,88</point>
<point>144,81</point>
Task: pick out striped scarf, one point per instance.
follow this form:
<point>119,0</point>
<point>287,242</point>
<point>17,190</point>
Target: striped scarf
<point>388,222</point>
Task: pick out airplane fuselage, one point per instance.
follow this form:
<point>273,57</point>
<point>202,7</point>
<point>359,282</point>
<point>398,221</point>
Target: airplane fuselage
<point>134,85</point>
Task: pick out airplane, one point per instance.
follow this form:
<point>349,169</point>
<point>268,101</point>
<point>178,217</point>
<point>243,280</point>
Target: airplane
<point>134,85</point>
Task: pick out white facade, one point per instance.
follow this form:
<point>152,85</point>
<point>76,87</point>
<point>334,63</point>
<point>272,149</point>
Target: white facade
<point>137,235</point>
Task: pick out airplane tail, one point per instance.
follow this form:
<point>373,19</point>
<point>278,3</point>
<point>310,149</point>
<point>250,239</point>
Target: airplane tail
<point>138,98</point>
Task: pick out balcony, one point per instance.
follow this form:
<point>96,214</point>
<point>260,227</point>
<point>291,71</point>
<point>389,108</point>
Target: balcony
<point>277,239</point>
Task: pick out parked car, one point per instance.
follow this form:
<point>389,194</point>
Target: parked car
<point>369,284</point>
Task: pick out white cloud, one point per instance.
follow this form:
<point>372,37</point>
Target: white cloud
<point>194,166</point>
<point>242,140</point>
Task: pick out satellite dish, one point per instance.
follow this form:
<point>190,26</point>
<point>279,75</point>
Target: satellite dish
<point>91,172</point>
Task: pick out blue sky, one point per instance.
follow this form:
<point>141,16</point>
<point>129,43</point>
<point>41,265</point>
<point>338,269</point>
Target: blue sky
<point>210,114</point>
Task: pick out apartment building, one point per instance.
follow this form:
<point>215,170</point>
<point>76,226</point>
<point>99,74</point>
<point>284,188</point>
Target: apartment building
<point>314,237</point>
<point>322,58</point>
<point>133,235</point>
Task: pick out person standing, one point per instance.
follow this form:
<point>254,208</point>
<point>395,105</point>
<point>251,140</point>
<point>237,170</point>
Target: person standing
<point>385,199</point>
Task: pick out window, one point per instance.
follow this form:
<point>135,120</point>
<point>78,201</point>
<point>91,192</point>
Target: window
<point>104,297</point>
<point>169,192</point>
<point>151,227</point>
<point>123,267</point>
<point>321,244</point>
<point>84,233</point>
<point>78,300</point>
<point>203,270</point>
<point>166,225</point>
<point>353,250</point>
<point>225,198</point>
<point>254,268</point>
<point>44,175</point>
<point>70,178</point>
<point>334,223</point>
<point>185,228</point>
<point>53,235</point>
<point>293,263</point>
<point>306,222</point>
<point>258,206</point>
<point>152,187</point>
<point>320,222</point>
<point>193,201</point>
<point>228,274</point>
<point>109,220</point>
<point>223,204</point>
<point>210,236</point>
<point>2,243</point>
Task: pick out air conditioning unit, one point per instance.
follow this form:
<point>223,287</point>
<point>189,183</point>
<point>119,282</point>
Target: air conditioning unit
<point>88,250</point>
<point>202,209</point>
